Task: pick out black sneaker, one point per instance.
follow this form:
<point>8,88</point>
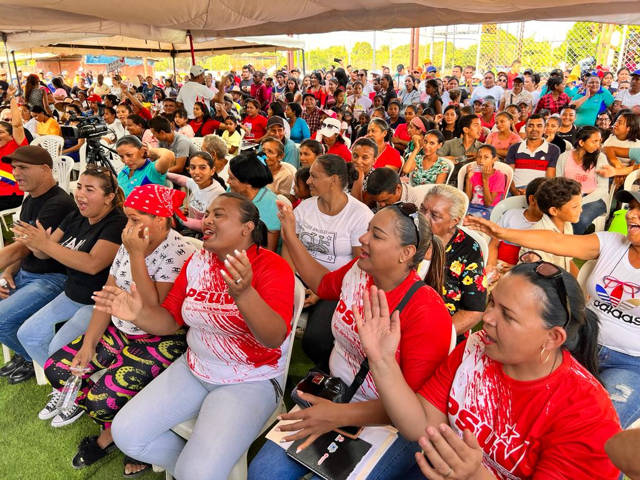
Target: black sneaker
<point>66,417</point>
<point>11,365</point>
<point>24,372</point>
<point>50,410</point>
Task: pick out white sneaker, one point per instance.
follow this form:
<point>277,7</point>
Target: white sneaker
<point>50,410</point>
<point>67,417</point>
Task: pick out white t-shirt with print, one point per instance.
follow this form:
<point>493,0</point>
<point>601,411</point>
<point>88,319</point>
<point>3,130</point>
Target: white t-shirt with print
<point>613,141</point>
<point>330,239</point>
<point>200,199</point>
<point>613,290</point>
<point>163,265</point>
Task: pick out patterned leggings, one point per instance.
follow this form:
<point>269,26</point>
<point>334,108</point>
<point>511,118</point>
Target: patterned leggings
<point>130,361</point>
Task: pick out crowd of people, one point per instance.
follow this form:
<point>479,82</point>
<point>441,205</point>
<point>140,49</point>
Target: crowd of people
<point>356,184</point>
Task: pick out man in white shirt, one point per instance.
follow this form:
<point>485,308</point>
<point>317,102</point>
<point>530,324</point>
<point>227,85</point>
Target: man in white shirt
<point>194,91</point>
<point>631,97</point>
<point>487,89</point>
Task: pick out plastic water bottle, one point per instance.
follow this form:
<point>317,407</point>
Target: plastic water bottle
<point>70,391</point>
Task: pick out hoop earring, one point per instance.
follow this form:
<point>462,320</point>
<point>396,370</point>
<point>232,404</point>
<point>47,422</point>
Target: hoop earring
<point>548,355</point>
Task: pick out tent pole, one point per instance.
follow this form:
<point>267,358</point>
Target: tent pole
<point>193,55</point>
<point>6,50</point>
<point>173,60</point>
<point>15,67</point>
<point>304,64</point>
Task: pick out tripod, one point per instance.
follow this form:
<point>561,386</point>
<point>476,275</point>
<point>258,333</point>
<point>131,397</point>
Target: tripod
<point>96,154</point>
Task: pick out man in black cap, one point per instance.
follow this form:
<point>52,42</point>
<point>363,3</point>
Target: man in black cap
<point>27,282</point>
<point>276,127</point>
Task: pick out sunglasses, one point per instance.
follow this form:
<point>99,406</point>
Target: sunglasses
<point>551,272</point>
<point>410,211</point>
<point>102,171</point>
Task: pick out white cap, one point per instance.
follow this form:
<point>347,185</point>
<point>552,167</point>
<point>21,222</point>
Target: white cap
<point>196,70</point>
<point>330,127</point>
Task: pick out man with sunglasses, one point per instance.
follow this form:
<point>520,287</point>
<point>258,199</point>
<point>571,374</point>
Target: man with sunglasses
<point>27,282</point>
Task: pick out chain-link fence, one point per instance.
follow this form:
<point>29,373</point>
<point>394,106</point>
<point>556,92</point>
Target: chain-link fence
<point>497,46</point>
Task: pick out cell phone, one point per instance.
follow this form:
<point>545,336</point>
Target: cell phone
<point>337,60</point>
<point>350,432</point>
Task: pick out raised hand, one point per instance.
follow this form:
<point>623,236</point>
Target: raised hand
<point>117,302</point>
<point>136,239</point>
<point>484,226</point>
<point>287,219</point>
<point>239,275</point>
<point>379,332</point>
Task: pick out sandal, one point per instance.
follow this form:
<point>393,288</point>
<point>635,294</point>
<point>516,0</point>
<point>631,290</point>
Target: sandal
<point>133,461</point>
<point>89,452</point>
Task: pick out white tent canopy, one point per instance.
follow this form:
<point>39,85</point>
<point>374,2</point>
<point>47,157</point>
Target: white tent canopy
<point>169,21</point>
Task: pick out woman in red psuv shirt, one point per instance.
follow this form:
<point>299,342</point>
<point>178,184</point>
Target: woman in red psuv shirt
<point>517,400</point>
<point>237,299</point>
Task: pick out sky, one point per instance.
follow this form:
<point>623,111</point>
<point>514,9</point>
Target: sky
<point>465,35</point>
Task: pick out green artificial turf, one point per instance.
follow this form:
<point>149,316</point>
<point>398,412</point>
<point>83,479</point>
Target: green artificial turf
<point>33,450</point>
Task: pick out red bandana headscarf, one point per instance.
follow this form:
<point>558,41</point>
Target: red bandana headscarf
<point>156,200</point>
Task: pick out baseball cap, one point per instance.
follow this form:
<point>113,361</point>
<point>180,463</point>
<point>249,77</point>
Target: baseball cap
<point>636,72</point>
<point>236,88</point>
<point>275,121</point>
<point>330,127</point>
<point>518,78</point>
<point>94,98</point>
<point>31,154</point>
<point>196,70</point>
<point>59,95</point>
<point>627,196</point>
<point>431,69</point>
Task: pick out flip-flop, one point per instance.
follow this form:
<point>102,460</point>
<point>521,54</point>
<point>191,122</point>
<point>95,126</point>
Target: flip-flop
<point>89,452</point>
<point>132,461</point>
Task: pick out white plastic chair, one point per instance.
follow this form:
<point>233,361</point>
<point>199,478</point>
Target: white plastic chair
<point>239,471</point>
<point>283,199</point>
<point>452,167</point>
<point>631,178</point>
<point>509,203</point>
<point>198,141</point>
<point>501,166</point>
<point>62,167</point>
<point>51,143</point>
<point>584,273</point>
<point>482,241</point>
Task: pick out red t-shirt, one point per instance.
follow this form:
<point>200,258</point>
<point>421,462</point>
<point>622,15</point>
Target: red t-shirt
<point>402,133</point>
<point>210,126</point>
<point>390,157</point>
<point>8,184</point>
<point>340,149</point>
<point>553,428</point>
<point>222,349</point>
<point>425,328</point>
<point>256,127</point>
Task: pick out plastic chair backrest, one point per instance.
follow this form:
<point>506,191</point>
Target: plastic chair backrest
<point>584,273</point>
<point>62,167</point>
<point>198,141</point>
<point>283,199</point>
<point>452,167</point>
<point>631,178</point>
<point>501,166</point>
<point>51,143</point>
<point>507,204</point>
<point>477,236</point>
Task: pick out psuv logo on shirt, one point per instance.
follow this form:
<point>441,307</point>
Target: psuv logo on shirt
<point>617,297</point>
<point>206,296</point>
<point>346,314</point>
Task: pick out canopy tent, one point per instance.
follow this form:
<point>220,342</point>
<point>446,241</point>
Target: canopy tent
<point>62,44</point>
<point>169,21</point>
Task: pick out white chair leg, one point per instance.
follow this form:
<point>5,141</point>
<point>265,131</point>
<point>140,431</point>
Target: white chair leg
<point>6,353</point>
<point>41,379</point>
<point>167,475</point>
<point>239,470</point>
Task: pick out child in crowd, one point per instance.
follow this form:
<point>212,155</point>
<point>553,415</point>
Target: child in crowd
<point>503,136</point>
<point>310,150</point>
<point>283,173</point>
<point>231,135</point>
<point>360,130</point>
<point>203,187</point>
<point>504,255</point>
<point>181,119</point>
<point>485,186</point>
<point>301,189</point>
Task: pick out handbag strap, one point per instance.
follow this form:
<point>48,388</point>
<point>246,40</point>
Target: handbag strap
<point>364,366</point>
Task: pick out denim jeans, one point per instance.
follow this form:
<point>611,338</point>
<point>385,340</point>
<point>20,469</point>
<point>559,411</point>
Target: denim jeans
<point>38,330</point>
<point>71,329</point>
<point>620,374</point>
<point>590,211</point>
<point>230,418</point>
<point>33,291</point>
<point>398,462</point>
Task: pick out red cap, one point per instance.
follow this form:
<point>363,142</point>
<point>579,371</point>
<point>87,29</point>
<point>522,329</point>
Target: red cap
<point>94,97</point>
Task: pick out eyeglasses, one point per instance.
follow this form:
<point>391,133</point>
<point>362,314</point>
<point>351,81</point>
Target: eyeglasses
<point>551,272</point>
<point>93,169</point>
<point>330,126</point>
<point>410,211</point>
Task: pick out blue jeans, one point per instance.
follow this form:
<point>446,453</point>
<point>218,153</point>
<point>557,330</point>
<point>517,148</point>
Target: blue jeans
<point>590,211</point>
<point>398,462</point>
<point>33,291</point>
<point>71,329</point>
<point>620,374</point>
<point>37,331</point>
<point>230,418</point>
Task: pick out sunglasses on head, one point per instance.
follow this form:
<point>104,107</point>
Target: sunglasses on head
<point>550,271</point>
<point>100,170</point>
<point>410,211</point>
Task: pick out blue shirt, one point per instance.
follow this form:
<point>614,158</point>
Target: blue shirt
<point>144,175</point>
<point>300,130</point>
<point>265,200</point>
<point>588,112</point>
<point>291,153</point>
<point>634,154</point>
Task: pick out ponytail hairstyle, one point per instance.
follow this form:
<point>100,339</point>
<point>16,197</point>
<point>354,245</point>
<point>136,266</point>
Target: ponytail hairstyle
<point>382,124</point>
<point>414,229</point>
<point>251,169</point>
<point>108,183</point>
<point>335,165</point>
<point>589,160</point>
<point>582,327</point>
<point>249,213</point>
